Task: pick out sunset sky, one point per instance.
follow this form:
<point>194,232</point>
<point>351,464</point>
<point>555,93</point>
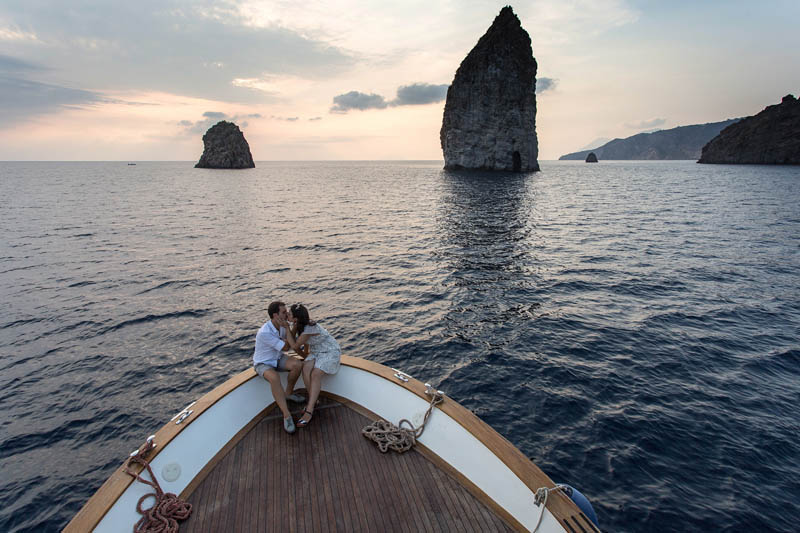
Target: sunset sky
<point>356,79</point>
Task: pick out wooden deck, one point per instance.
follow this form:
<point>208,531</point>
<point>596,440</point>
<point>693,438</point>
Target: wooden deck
<point>327,477</point>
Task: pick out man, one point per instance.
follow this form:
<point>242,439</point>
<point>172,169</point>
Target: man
<point>273,340</point>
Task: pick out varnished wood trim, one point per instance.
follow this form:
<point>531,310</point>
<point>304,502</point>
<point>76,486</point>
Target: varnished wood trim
<point>589,523</point>
<point>105,497</point>
<point>531,475</point>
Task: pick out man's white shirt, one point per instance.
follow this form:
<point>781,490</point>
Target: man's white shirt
<point>269,343</point>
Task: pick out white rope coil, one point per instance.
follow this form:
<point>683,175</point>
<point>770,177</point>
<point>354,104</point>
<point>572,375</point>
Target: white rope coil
<point>397,438</point>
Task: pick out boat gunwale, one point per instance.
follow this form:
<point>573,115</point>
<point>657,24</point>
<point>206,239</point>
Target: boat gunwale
<point>531,475</point>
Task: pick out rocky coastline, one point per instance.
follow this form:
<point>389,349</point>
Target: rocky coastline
<point>683,142</point>
<point>772,137</point>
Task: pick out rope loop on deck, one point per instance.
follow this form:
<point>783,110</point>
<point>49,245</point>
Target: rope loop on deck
<point>163,516</point>
<point>398,438</point>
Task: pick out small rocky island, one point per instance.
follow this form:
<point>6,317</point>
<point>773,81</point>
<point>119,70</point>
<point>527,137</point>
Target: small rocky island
<point>224,146</point>
<point>490,113</point>
<point>772,137</point>
<point>591,158</point>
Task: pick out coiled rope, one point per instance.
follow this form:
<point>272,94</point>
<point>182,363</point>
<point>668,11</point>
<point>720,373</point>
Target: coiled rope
<point>163,516</point>
<point>541,499</point>
<point>397,438</point>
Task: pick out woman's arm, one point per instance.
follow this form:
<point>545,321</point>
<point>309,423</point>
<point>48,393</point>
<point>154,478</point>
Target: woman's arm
<point>302,344</point>
<point>302,349</point>
<point>291,342</point>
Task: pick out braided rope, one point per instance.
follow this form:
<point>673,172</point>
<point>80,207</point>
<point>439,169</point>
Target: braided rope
<point>397,438</point>
<point>163,516</point>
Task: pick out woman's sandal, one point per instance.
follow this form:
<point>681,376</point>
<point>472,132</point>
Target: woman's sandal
<point>303,423</point>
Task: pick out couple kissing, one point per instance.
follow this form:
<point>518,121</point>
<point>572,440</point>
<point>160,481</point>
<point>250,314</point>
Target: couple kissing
<point>293,329</point>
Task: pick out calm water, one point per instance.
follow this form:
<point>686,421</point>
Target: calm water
<point>631,326</point>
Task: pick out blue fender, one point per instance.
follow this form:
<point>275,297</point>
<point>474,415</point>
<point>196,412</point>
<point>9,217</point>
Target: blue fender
<point>582,502</point>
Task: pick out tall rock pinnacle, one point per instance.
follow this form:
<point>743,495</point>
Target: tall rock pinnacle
<point>490,114</point>
<point>224,146</point>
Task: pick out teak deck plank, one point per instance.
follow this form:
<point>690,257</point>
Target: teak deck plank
<point>328,477</point>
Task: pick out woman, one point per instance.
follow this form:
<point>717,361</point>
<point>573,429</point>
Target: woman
<point>322,356</point>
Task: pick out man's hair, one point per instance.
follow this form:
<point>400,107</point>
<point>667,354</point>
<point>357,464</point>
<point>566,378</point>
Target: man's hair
<point>274,308</point>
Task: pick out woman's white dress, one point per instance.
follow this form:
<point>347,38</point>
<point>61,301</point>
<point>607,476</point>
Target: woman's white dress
<point>325,351</point>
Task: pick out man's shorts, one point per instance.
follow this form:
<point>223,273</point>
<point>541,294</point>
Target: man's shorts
<point>277,364</point>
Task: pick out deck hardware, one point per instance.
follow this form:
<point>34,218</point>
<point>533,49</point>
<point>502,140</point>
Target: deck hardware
<point>182,411</point>
<point>430,391</point>
<point>402,376</point>
<point>168,507</point>
<point>150,442</point>
<point>171,472</point>
<point>540,499</point>
<point>184,416</point>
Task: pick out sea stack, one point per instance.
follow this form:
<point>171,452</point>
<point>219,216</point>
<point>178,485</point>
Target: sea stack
<point>591,158</point>
<point>224,146</point>
<point>490,113</point>
<point>771,137</point>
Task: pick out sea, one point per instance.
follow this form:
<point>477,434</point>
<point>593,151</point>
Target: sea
<point>632,327</point>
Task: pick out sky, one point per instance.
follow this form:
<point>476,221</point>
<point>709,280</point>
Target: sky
<point>359,79</point>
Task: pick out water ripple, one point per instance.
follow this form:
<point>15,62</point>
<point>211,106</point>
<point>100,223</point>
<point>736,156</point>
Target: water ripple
<point>632,328</point>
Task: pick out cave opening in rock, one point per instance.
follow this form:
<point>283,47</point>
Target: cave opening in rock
<point>517,161</point>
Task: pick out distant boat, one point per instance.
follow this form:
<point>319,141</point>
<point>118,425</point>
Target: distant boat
<point>131,164</point>
<point>228,456</point>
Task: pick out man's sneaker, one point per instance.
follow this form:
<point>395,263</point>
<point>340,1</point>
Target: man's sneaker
<point>288,425</point>
<point>296,398</point>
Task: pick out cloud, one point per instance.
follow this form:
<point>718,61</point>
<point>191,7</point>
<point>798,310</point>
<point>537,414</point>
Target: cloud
<point>414,94</point>
<point>545,84</point>
<point>646,124</point>
<point>214,115</point>
<point>211,118</point>
<point>287,119</point>
<point>9,33</point>
<point>12,64</point>
<point>195,49</point>
<point>22,98</point>
<point>356,100</point>
<point>420,94</point>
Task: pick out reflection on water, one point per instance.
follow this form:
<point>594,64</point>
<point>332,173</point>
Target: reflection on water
<point>487,242</point>
<point>483,220</point>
